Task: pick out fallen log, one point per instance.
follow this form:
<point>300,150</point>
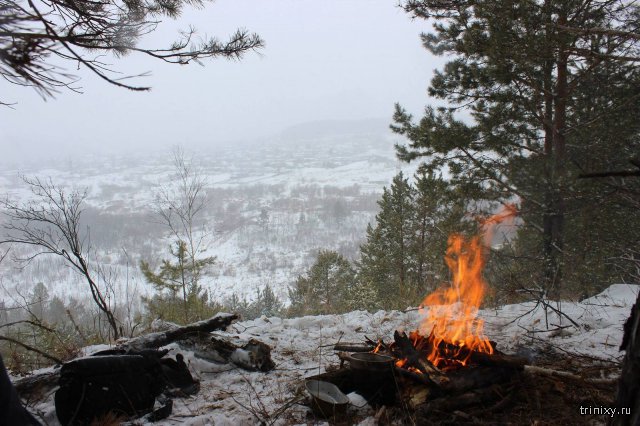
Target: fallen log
<point>253,355</point>
<point>37,386</point>
<point>155,340</point>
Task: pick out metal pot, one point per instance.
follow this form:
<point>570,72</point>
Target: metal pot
<point>326,399</point>
<point>369,361</point>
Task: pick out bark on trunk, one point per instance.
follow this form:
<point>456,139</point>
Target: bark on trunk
<point>628,395</point>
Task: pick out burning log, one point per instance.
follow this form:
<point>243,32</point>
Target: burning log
<point>416,354</point>
<point>416,359</point>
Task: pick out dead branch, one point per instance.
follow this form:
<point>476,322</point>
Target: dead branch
<point>32,349</point>
<point>542,371</point>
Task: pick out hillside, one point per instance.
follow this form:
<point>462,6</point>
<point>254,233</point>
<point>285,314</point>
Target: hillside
<point>271,205</point>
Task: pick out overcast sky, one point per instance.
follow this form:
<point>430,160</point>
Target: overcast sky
<point>330,59</point>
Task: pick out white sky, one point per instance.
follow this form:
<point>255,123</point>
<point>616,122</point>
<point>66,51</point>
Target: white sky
<point>330,59</point>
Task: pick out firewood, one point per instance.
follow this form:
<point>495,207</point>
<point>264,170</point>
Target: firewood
<point>466,379</point>
<point>353,347</point>
<point>416,359</point>
<point>417,377</point>
<point>497,359</point>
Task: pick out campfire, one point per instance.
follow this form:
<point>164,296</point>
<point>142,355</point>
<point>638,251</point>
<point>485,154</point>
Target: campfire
<point>448,355</point>
<point>450,335</point>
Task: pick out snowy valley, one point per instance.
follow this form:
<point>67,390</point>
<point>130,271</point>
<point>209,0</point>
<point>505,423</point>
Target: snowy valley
<point>271,205</point>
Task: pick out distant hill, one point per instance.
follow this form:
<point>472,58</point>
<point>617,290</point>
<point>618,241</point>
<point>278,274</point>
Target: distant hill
<point>331,128</point>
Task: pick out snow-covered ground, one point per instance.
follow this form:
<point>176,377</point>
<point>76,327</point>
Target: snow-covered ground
<point>302,347</point>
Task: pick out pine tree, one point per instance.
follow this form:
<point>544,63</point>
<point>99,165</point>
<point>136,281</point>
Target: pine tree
<point>522,71</point>
<point>267,303</point>
<point>324,288</point>
<point>437,214</point>
<point>403,257</point>
<point>386,260</point>
<point>181,278</point>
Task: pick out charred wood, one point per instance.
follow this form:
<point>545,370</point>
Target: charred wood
<point>416,359</point>
<point>448,404</point>
<point>467,379</point>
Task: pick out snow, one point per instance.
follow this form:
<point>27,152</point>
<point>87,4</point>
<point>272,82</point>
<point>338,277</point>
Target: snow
<point>302,347</point>
<point>600,319</point>
<point>287,177</point>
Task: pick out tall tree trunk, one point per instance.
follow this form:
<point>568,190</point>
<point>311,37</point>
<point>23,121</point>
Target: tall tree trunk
<point>559,161</point>
<point>555,114</point>
<point>628,394</point>
<point>547,214</point>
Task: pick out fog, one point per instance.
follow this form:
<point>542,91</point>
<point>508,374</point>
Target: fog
<point>331,60</point>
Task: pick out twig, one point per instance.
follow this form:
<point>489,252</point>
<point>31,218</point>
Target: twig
<point>545,304</point>
<point>574,354</point>
<point>558,328</point>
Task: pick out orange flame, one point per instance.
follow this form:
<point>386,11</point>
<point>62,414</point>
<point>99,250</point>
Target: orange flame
<point>450,313</point>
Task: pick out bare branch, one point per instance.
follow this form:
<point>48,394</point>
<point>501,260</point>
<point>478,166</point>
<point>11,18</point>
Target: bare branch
<point>51,224</point>
<point>32,349</point>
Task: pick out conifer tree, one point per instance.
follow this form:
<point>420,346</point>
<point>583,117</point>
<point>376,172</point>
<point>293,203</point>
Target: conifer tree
<point>437,214</point>
<point>386,260</point>
<point>267,303</point>
<point>324,288</point>
<point>523,72</point>
<point>179,278</point>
